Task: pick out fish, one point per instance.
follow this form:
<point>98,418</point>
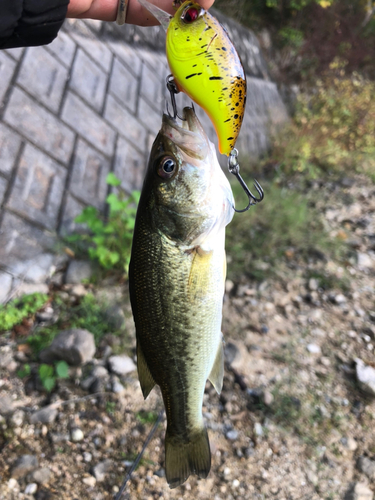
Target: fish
<point>206,66</point>
<point>176,282</point>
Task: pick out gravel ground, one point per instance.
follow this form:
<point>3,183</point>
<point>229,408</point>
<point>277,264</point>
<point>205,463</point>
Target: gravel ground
<point>296,416</point>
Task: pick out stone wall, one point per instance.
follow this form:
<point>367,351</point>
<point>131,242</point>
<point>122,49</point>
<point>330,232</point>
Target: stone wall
<point>85,105</point>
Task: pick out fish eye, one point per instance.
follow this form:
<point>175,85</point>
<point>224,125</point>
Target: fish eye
<point>190,15</point>
<point>166,167</point>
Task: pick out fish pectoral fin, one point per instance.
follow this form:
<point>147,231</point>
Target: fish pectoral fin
<point>145,378</point>
<point>217,371</point>
<point>187,456</point>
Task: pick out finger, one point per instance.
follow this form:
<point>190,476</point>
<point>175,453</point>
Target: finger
<point>137,14</point>
<point>106,10</point>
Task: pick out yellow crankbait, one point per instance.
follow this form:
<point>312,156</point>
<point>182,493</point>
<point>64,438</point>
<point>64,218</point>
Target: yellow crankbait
<point>205,65</point>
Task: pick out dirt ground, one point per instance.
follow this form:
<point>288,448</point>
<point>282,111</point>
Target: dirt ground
<point>292,422</point>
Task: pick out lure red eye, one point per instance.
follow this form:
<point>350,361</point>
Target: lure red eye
<point>190,15</point>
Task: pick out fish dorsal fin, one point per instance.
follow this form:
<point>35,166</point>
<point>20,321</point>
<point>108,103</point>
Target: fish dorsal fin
<point>145,378</point>
<point>217,371</point>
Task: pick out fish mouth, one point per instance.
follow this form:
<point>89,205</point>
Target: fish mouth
<point>188,135</point>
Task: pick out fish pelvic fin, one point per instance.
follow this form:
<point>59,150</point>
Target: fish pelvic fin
<point>145,378</point>
<point>217,371</point>
<point>184,458</point>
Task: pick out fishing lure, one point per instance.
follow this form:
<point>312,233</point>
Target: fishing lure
<point>205,65</point>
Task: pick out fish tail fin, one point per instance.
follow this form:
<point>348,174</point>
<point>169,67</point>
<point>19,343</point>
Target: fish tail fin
<point>184,458</point>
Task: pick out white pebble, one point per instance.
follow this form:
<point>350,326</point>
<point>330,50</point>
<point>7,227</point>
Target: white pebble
<point>76,435</point>
<point>12,483</point>
<point>89,481</point>
<point>31,488</point>
<point>313,349</point>
<point>235,483</point>
<point>87,457</point>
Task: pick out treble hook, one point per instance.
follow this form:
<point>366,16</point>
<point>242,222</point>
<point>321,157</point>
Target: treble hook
<point>173,90</point>
<point>234,168</point>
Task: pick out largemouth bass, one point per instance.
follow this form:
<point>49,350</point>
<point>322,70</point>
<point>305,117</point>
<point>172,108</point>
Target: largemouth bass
<point>177,273</point>
<point>206,66</point>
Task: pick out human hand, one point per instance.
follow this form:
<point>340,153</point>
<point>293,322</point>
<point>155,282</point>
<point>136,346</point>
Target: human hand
<point>106,10</point>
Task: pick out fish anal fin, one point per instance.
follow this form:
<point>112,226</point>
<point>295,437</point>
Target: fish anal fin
<point>184,458</point>
<point>144,374</point>
<point>217,371</point>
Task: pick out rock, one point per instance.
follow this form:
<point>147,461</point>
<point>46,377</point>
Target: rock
<point>230,352</point>
<point>364,260</point>
<point>318,332</point>
<point>46,415</point>
<point>46,315</point>
<point>101,469</point>
<point>359,491</point>
<point>313,284</point>
<point>42,476</point>
<point>5,286</point>
<point>89,481</point>
<point>87,457</point>
<point>367,466</point>
<point>313,349</point>
<point>340,298</point>
<point>268,398</point>
<point>12,484</point>
<point>115,316</point>
<point>17,418</point>
<point>6,357</point>
<point>99,372</point>
<point>365,376</point>
<point>6,404</point>
<point>31,489</point>
<point>24,465</point>
<point>76,435</point>
<point>349,443</point>
<point>121,364</point>
<point>312,477</point>
<point>78,270</point>
<point>75,346</point>
<point>117,387</point>
<point>258,429</point>
<point>79,290</point>
<point>232,435</point>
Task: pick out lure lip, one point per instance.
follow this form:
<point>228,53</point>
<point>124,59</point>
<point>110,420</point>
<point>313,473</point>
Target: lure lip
<point>163,17</point>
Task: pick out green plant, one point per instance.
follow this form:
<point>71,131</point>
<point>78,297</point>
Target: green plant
<point>283,224</point>
<point>333,128</point>
<point>15,311</point>
<point>146,417</point>
<point>24,371</point>
<point>48,374</point>
<point>90,313</point>
<point>110,407</point>
<point>109,241</point>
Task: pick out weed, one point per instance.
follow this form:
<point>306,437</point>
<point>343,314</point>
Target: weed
<point>25,371</point>
<point>109,241</point>
<point>88,314</point>
<point>15,311</point>
<point>49,374</point>
<point>146,417</point>
<point>333,128</point>
<point>110,407</point>
<point>283,224</point>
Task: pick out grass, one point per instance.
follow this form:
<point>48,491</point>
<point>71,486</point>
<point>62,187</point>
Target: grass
<point>89,314</point>
<point>17,310</point>
<point>283,226</point>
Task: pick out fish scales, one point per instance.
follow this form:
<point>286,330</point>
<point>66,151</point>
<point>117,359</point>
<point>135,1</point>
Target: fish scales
<point>177,274</point>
